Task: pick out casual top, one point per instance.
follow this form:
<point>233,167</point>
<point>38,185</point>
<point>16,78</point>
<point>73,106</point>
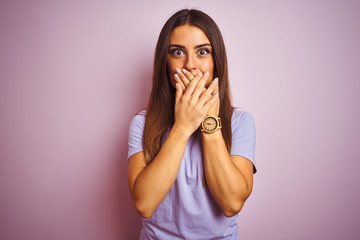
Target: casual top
<point>189,211</point>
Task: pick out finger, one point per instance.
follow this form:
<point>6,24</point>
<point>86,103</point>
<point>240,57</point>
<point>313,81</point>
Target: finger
<point>190,88</point>
<point>200,86</point>
<point>178,93</point>
<point>216,89</point>
<point>183,78</point>
<point>211,102</point>
<point>214,92</point>
<point>210,91</point>
<point>208,94</point>
<point>188,74</point>
<point>178,80</point>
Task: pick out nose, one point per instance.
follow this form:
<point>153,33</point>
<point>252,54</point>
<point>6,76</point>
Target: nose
<point>191,63</point>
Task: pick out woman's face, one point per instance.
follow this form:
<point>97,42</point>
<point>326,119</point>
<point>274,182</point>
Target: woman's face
<point>189,48</point>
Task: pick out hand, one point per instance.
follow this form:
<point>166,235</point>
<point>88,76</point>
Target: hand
<point>193,103</point>
<point>184,77</point>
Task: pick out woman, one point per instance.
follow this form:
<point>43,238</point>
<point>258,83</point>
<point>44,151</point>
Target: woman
<point>191,154</point>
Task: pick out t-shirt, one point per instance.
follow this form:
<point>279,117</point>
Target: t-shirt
<point>189,211</point>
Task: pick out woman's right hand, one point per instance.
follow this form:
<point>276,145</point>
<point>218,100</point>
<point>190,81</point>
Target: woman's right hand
<point>193,103</point>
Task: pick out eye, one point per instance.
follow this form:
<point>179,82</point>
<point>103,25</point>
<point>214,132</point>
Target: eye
<point>177,52</point>
<point>203,52</point>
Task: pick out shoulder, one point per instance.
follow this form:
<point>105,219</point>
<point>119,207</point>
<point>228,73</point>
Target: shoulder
<point>136,130</point>
<point>138,120</point>
<point>240,116</point>
<point>243,135</point>
<point>140,116</point>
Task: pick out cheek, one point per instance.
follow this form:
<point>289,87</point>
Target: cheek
<point>172,64</point>
<point>172,81</point>
<point>171,72</point>
<point>211,77</point>
<point>171,77</point>
<point>208,67</point>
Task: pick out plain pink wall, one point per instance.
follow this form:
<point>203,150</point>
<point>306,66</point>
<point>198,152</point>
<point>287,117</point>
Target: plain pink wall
<point>74,73</point>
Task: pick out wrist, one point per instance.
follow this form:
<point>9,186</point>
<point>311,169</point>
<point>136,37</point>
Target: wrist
<point>180,133</point>
<point>211,136</point>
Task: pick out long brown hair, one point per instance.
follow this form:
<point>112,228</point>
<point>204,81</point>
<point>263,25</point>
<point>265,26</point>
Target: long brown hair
<point>160,110</point>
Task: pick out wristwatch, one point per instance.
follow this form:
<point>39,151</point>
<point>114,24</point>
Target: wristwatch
<point>210,124</point>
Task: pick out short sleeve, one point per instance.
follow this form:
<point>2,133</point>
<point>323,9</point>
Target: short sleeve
<point>136,130</point>
<point>243,136</point>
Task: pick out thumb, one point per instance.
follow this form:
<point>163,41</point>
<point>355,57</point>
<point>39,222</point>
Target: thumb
<point>179,92</point>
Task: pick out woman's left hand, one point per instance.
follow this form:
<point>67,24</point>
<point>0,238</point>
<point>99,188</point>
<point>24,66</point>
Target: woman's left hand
<point>185,78</point>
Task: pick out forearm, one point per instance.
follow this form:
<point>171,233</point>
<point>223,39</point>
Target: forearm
<point>224,179</point>
<point>155,181</point>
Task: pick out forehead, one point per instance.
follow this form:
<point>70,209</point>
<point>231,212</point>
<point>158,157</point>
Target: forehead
<point>188,35</point>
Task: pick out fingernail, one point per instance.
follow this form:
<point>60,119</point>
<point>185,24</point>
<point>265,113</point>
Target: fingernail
<point>184,71</point>
<point>215,81</point>
<point>207,74</point>
<point>176,76</point>
<point>217,94</point>
<point>199,74</point>
<point>178,70</point>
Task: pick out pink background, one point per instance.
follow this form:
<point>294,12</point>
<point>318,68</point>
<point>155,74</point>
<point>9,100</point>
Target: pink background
<point>74,73</point>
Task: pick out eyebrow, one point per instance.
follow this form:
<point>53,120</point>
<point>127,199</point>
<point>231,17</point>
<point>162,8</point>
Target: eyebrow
<point>198,46</point>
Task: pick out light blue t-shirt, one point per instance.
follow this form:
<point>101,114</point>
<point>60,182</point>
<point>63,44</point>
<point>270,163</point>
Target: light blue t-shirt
<point>189,210</point>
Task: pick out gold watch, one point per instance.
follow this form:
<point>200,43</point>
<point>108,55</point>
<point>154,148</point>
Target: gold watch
<point>210,124</point>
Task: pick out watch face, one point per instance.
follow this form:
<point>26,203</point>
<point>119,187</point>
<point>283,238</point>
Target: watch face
<point>210,124</point>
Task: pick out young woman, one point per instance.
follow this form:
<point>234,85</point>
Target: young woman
<point>191,154</point>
